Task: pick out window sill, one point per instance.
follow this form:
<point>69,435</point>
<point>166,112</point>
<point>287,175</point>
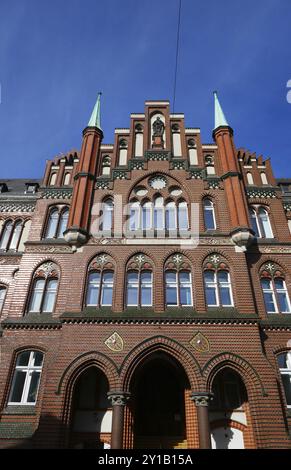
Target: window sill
<point>19,410</point>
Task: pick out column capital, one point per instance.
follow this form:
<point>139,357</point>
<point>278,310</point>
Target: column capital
<point>118,397</point>
<point>201,398</point>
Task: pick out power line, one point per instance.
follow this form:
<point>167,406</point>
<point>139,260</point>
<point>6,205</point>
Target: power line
<point>177,54</point>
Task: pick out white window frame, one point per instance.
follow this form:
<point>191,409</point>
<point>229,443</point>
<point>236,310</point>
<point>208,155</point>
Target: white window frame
<point>138,285</point>
<point>285,371</point>
<point>29,369</point>
<point>216,284</point>
<point>209,208</point>
<point>178,284</point>
<point>274,292</point>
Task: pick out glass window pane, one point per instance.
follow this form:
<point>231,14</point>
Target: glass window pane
<point>211,296</point>
<point>171,277</point>
<point>146,276</point>
<point>38,358</point>
<point>265,223</point>
<point>284,305</point>
<point>132,276</point>
<point>209,276</point>
<point>37,294</point>
<point>6,235</point>
<point>225,296</point>
<point>270,302</point>
<point>254,223</point>
<point>282,361</point>
<point>266,284</point>
<point>132,295</point>
<point>107,215</point>
<point>23,358</point>
<point>107,292</point>
<point>146,216</point>
<point>32,392</point>
<point>52,224</point>
<point>286,379</point>
<point>171,295</point>
<point>209,215</point>
<point>185,296</point>
<point>184,276</point>
<point>50,296</point>
<point>183,216</point>
<point>63,223</point>
<point>16,235</point>
<point>146,295</point>
<point>134,218</point>
<point>223,276</point>
<point>18,384</point>
<point>170,216</point>
<point>279,283</point>
<point>108,277</point>
<point>93,289</point>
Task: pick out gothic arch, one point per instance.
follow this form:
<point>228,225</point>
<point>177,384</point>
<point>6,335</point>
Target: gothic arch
<point>169,346</point>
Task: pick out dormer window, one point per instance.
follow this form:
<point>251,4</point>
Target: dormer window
<point>31,188</point>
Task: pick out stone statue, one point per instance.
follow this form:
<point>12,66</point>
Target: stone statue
<point>158,127</point>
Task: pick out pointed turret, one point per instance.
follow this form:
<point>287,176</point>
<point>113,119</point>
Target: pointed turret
<point>77,232</point>
<point>95,119</point>
<point>241,233</point>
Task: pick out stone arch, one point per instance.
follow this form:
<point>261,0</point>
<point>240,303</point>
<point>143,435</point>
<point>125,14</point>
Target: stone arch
<point>169,346</point>
<point>247,373</point>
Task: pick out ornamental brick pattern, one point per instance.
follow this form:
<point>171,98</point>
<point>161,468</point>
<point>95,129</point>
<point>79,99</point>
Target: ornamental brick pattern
<point>242,339</point>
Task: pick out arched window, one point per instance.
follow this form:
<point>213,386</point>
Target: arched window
<point>192,149</point>
<point>57,222</point>
<point>264,178</point>
<point>218,290</point>
<point>2,296</point>
<point>276,296</point>
<point>107,216</point>
<point>139,288</point>
<point>26,378</point>
<point>53,179</point>
<point>209,215</point>
<point>138,148</point>
<point>284,363</point>
<point>123,152</point>
<point>44,289</point>
<point>106,163</point>
<point>159,213</point>
<point>250,178</point>
<point>99,288</point>
<point>171,216</point>
<point>67,179</point>
<point>183,222</point>
<point>260,222</point>
<point>11,235</point>
<point>134,216</point>
<point>147,215</point>
<point>178,288</point>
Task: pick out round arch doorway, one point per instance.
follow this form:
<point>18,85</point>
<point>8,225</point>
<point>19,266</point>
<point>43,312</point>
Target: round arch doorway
<point>158,405</point>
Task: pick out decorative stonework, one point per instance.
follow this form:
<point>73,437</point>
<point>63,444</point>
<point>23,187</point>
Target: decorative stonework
<point>139,261</point>
<point>214,261</point>
<point>47,249</point>
<point>9,260</point>
<point>213,184</point>
<point>157,155</point>
<point>287,206</point>
<point>200,343</point>
<point>214,241</point>
<point>271,269</point>
<point>177,262</point>
<point>136,165</point>
<point>101,261</point>
<point>158,182</point>
<point>178,165</point>
<point>274,249</point>
<point>118,398</point>
<point>261,193</point>
<point>17,206</point>
<point>52,193</point>
<point>114,342</point>
<point>102,184</point>
<point>47,269</point>
<point>120,174</point>
<point>201,399</point>
<point>196,174</point>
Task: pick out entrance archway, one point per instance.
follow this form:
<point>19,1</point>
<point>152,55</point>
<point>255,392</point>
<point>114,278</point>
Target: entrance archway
<point>158,406</point>
<point>91,413</point>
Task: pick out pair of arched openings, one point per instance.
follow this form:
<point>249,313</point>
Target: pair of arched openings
<point>260,222</point>
<point>57,221</point>
<point>11,234</point>
<point>66,179</point>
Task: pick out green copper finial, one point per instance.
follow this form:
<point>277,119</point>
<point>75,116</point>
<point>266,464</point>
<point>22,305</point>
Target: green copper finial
<point>95,120</point>
<point>220,119</point>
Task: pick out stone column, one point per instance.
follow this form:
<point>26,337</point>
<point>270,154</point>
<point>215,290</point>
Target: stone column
<point>201,401</point>
<point>118,402</point>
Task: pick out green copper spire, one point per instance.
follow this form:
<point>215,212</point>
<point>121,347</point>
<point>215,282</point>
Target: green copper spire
<point>220,119</point>
<point>95,120</point>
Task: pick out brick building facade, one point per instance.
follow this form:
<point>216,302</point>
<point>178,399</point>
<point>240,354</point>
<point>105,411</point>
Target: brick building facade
<point>144,293</point>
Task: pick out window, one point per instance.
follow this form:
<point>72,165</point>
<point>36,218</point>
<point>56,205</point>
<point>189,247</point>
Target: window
<point>43,296</point>
<point>134,216</point>
<point>183,222</point>
<point>147,216</point>
<point>264,178</point>
<point>171,216</point>
<point>284,363</point>
<point>178,289</point>
<point>57,222</point>
<point>99,289</point>
<point>275,295</point>
<point>53,179</point>
<point>139,291</point>
<point>11,235</point>
<point>261,223</point>
<point>107,216</point>
<point>26,378</point>
<point>159,213</point>
<point>2,296</point>
<point>218,288</point>
<point>106,162</point>
<point>250,178</point>
<point>67,179</point>
<point>209,215</point>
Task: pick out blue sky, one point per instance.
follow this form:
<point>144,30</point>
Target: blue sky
<point>55,56</point>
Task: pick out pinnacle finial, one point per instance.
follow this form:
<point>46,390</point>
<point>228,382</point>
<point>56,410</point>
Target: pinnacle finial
<point>95,120</point>
<point>220,119</point>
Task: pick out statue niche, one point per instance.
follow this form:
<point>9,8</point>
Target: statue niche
<point>158,132</point>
